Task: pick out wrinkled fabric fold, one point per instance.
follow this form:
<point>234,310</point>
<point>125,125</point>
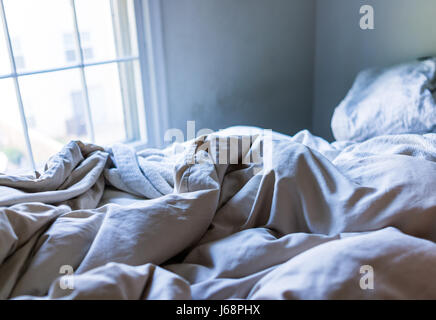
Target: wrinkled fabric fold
<point>300,228</point>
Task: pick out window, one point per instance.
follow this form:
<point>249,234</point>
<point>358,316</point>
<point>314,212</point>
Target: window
<point>18,54</point>
<point>69,69</point>
<point>70,47</point>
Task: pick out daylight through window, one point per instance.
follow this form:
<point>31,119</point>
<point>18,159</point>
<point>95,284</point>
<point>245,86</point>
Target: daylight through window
<point>69,69</point>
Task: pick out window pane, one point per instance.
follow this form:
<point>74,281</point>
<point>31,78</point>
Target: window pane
<point>111,35</point>
<point>5,67</point>
<point>106,103</point>
<point>38,30</point>
<point>100,31</point>
<point>13,152</point>
<point>55,111</point>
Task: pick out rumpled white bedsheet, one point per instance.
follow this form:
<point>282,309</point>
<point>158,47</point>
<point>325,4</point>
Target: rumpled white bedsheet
<point>300,230</point>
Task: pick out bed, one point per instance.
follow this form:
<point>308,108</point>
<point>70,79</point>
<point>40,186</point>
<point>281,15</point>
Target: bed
<point>351,219</point>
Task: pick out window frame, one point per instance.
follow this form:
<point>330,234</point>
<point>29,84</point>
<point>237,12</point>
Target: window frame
<point>149,30</point>
<point>145,112</point>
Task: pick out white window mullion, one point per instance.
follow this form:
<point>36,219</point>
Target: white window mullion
<point>89,64</point>
<point>89,122</point>
<point>123,47</point>
<point>17,87</point>
<point>151,57</point>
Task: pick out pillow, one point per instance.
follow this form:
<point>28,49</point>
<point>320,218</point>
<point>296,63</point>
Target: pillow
<point>394,100</point>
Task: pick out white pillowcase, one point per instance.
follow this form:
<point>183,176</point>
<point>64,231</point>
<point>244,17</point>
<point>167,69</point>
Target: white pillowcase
<point>394,100</point>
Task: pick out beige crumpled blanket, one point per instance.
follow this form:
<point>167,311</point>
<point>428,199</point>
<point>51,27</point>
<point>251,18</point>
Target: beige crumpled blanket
<point>303,228</point>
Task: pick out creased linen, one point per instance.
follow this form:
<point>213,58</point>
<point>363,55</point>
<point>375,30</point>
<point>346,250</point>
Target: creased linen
<point>300,229</point>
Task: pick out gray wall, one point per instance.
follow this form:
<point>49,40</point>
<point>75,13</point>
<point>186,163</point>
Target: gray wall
<point>404,29</point>
<point>233,62</point>
<point>281,64</point>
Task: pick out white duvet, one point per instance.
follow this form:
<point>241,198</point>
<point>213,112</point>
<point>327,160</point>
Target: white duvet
<point>302,229</point>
